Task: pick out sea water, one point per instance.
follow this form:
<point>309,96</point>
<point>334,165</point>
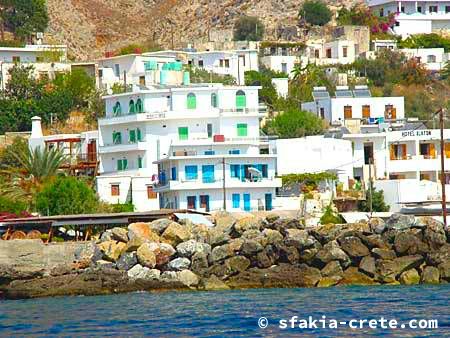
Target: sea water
<point>234,313</point>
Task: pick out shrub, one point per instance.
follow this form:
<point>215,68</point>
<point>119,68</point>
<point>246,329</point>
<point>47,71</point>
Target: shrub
<point>66,196</point>
<point>294,123</point>
<point>378,204</point>
<point>315,12</point>
<point>248,28</point>
<point>331,217</point>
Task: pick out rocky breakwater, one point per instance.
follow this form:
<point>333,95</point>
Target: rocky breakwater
<point>248,252</point>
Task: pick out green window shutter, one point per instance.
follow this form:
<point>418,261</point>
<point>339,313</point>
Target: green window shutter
<point>139,162</point>
<point>117,110</point>
<point>191,101</point>
<point>125,164</point>
<point>131,108</point>
<point>139,134</point>
<point>242,129</point>
<point>117,137</point>
<point>183,133</point>
<point>119,165</point>
<point>132,136</point>
<point>241,100</point>
<point>139,106</point>
<point>214,101</point>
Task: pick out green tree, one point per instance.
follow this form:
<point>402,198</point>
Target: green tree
<point>445,72</point>
<point>315,12</point>
<point>248,28</point>
<point>8,158</point>
<point>66,196</point>
<point>378,204</point>
<point>294,123</point>
<point>24,17</point>
<point>199,75</point>
<point>268,94</point>
<point>8,205</point>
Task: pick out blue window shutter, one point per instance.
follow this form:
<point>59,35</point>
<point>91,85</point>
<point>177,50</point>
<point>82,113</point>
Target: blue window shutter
<point>236,201</point>
<point>174,173</point>
<point>191,172</point>
<point>208,173</point>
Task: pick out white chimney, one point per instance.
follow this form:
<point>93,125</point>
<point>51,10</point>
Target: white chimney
<point>37,138</point>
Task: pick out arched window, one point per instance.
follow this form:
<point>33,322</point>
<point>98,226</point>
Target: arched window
<point>214,101</point>
<point>139,106</point>
<point>191,101</point>
<point>117,109</point>
<point>241,101</point>
<point>131,108</point>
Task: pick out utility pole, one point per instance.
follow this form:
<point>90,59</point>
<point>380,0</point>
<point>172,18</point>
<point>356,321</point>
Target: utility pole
<point>223,186</point>
<point>444,202</point>
<point>370,187</point>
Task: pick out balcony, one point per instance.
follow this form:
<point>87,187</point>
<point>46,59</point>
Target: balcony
<point>242,111</point>
<point>122,147</point>
<point>410,163</point>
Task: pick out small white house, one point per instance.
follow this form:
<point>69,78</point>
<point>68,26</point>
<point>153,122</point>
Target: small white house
<point>322,52</point>
<point>33,54</point>
<point>434,59</point>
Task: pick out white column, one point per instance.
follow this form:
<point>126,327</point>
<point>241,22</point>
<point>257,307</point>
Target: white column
<point>416,5</point>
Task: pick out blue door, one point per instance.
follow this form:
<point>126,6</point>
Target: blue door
<point>247,202</point>
<point>268,198</point>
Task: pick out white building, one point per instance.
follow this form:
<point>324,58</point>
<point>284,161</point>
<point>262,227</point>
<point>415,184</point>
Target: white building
<point>434,59</point>
<point>231,62</point>
<point>316,154</point>
<point>356,104</point>
<point>322,52</point>
<point>173,140</point>
<point>414,17</point>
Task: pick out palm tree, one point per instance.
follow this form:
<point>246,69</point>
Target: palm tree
<point>445,72</point>
<point>36,167</point>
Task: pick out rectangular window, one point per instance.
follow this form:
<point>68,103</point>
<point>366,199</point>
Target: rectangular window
<point>419,9</point>
<point>221,62</point>
<point>210,152</point>
<point>200,63</point>
<point>447,9</point>
<point>117,70</point>
<point>173,173</point>
<point>122,164</point>
<point>209,129</point>
<point>284,68</point>
<point>191,172</point>
<point>117,137</point>
<point>381,12</point>
<point>132,136</point>
<point>208,173</point>
<point>366,111</point>
<point>227,63</point>
<point>115,190</point>
<point>316,53</point>
<point>139,162</point>
<point>390,112</point>
<point>183,133</point>
<point>242,129</point>
<point>433,9</point>
<point>236,201</point>
<point>328,53</point>
<point>151,194</point>
<point>265,170</point>
<point>344,51</point>
<point>234,152</point>
<point>347,112</point>
<point>139,135</point>
<point>427,150</point>
<point>16,59</point>
<point>398,152</point>
<point>191,202</point>
<point>235,170</point>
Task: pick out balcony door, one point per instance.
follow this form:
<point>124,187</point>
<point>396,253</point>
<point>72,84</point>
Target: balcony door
<point>368,153</point>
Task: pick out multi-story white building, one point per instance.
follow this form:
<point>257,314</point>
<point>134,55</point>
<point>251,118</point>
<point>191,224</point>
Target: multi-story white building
<point>322,52</point>
<point>356,104</point>
<point>183,143</point>
<point>231,62</point>
<point>414,17</point>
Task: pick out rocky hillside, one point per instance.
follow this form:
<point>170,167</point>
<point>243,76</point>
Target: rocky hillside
<point>91,27</point>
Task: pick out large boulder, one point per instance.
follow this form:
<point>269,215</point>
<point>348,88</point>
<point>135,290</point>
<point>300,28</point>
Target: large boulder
<point>354,247</point>
<point>332,269</point>
<point>388,271</point>
<point>237,264</point>
<point>375,241</point>
<point>329,281</point>
<point>352,276</point>
<point>309,276</point>
<point>299,239</point>
<point>127,261</point>
<point>143,232</point>
<point>408,242</point>
<point>410,277</point>
<point>191,247</point>
<point>332,252</point>
<point>213,283</point>
<point>367,265</point>
<point>199,262</point>
<point>188,278</point>
<point>112,250</point>
<point>326,233</point>
<point>287,254</point>
<point>250,248</point>
<point>119,234</point>
<point>272,236</point>
<point>178,264</point>
<point>440,256</point>
<point>222,252</point>
<point>247,223</point>
<point>400,222</point>
<point>158,226</point>
<point>386,254</point>
<point>146,256</point>
<point>434,234</point>
<point>175,234</point>
<point>444,270</point>
<point>430,275</point>
<point>140,272</point>
<point>377,225</point>
<point>218,237</point>
<point>162,251</point>
<point>200,233</point>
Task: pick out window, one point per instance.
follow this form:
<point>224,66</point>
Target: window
<point>221,62</point>
<point>284,51</point>
<point>140,162</point>
<point>328,52</point>
<point>117,109</point>
<point>284,67</point>
<point>431,58</point>
<point>191,101</point>
<point>347,112</point>
<point>447,9</point>
<point>427,150</point>
<point>366,111</point>
<point>368,153</point>
<point>316,53</point>
<point>344,52</point>
<point>241,101</point>
<point>132,136</point>
<point>242,129</point>
<point>236,201</point>
<point>131,107</point>
<point>235,170</point>
<point>200,63</point>
<point>191,172</point>
<point>115,190</point>
<point>209,129</point>
<point>191,202</point>
<point>122,164</point>
<point>16,59</point>
<point>210,152</point>
<point>398,152</point>
<point>208,173</point>
<point>173,173</point>
<point>204,202</point>
<point>151,194</point>
<point>322,112</point>
<point>183,133</point>
<point>117,70</point>
<point>39,59</point>
<point>419,9</point>
<point>142,80</point>
<point>234,152</point>
<point>139,134</point>
<point>214,101</point>
<point>227,63</point>
<point>139,106</point>
<point>433,9</point>
<point>402,9</point>
<point>381,12</point>
<point>117,137</point>
<point>390,113</point>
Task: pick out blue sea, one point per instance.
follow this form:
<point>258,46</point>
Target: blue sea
<point>231,313</point>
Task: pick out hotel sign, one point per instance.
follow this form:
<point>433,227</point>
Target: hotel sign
<point>416,133</point>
